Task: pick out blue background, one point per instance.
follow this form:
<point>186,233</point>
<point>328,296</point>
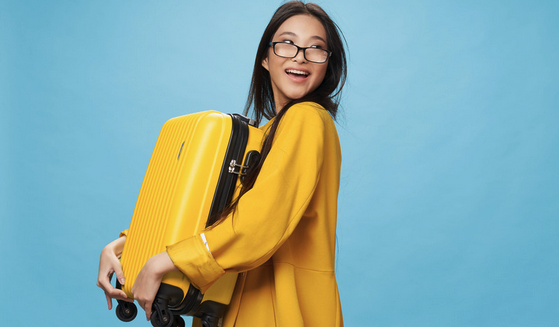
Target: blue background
<point>450,185</point>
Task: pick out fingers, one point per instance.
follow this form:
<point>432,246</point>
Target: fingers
<point>105,282</point>
<point>111,292</point>
<point>147,306</point>
<point>121,297</point>
<point>148,315</point>
<point>109,301</point>
<point>144,301</point>
<point>145,288</point>
<point>119,274</point>
<point>109,264</point>
<point>148,281</point>
<point>118,295</point>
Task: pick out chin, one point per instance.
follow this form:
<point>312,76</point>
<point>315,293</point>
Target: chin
<point>298,95</point>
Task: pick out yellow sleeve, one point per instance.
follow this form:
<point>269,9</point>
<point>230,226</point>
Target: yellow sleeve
<point>268,213</point>
<point>124,233</point>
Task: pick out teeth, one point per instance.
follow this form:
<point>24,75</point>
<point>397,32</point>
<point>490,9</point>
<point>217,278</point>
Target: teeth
<point>298,72</point>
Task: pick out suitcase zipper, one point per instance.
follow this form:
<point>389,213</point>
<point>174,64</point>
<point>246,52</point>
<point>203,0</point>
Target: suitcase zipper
<point>227,178</point>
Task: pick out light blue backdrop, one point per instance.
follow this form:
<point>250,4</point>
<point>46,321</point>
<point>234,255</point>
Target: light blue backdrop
<point>449,202</point>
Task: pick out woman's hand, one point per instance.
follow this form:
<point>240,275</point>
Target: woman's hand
<point>109,265</point>
<point>147,283</point>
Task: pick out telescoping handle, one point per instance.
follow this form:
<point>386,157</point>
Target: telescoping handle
<point>246,120</point>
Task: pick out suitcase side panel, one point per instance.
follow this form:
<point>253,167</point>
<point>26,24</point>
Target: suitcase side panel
<point>199,177</point>
<point>171,192</point>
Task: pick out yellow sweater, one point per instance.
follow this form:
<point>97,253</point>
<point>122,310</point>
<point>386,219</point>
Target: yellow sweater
<point>282,238</point>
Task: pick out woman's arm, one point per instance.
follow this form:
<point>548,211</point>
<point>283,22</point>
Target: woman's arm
<point>268,213</point>
<point>147,282</point>
<point>109,265</point>
<point>149,279</point>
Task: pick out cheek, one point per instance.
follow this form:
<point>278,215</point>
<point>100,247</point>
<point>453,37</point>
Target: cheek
<point>273,62</point>
<point>320,75</point>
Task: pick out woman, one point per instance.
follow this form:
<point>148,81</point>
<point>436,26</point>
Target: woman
<point>280,233</point>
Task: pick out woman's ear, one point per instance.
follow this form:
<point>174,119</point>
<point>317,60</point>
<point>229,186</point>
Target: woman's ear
<point>265,64</point>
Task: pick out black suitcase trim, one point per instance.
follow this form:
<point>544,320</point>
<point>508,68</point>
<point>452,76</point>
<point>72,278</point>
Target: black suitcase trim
<point>227,179</point>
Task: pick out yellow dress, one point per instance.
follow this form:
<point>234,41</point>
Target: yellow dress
<point>282,238</point>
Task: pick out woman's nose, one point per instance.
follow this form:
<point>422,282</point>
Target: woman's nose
<point>300,57</point>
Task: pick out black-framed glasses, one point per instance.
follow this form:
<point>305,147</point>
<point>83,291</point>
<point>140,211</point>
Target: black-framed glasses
<point>290,50</point>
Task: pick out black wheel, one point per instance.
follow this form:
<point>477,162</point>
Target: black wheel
<point>165,319</point>
<point>209,321</point>
<point>179,322</point>
<point>126,311</point>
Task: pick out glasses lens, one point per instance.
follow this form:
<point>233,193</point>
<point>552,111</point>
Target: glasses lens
<point>288,50</point>
<point>316,55</point>
<point>285,50</point>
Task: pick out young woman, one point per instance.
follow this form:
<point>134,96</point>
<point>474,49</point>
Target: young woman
<point>281,232</point>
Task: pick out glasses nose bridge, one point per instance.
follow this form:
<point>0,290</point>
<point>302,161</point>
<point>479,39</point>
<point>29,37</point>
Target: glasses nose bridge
<point>300,50</point>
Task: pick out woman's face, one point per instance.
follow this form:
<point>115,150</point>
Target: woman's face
<point>293,78</point>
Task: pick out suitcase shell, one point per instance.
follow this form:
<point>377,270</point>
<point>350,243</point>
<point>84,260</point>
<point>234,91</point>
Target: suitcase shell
<point>192,174</point>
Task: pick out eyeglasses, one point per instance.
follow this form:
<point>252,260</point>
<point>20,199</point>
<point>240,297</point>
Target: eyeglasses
<point>289,50</point>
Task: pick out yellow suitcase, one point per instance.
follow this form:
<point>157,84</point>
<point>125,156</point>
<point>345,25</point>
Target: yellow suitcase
<point>193,173</point>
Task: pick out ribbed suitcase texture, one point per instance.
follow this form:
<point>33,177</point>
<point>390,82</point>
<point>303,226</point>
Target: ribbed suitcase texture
<point>193,173</point>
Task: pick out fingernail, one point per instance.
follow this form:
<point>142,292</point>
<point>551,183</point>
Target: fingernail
<point>121,281</point>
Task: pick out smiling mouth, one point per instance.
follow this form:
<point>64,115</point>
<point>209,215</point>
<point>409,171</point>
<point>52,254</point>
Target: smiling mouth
<point>298,73</point>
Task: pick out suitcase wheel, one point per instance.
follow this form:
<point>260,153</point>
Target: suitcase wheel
<point>162,318</point>
<point>209,321</point>
<point>176,321</point>
<point>126,311</point>
<point>179,322</point>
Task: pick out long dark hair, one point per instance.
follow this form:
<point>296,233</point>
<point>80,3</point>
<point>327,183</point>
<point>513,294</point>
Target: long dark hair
<point>261,97</point>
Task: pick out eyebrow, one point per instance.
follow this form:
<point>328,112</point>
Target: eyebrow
<point>312,37</point>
